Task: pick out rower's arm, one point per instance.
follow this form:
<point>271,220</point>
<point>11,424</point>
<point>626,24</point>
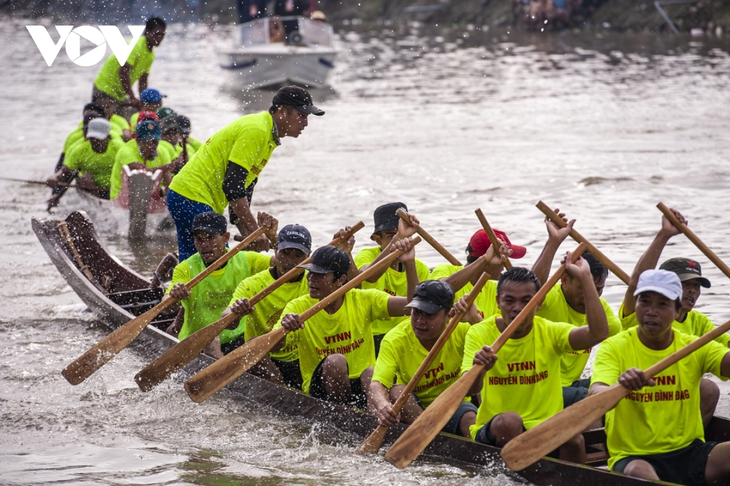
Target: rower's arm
<point>725,365</point>
<point>597,387</point>
<point>64,176</point>
<point>405,230</point>
<point>143,82</point>
<point>397,305</point>
<point>584,337</point>
<point>649,259</point>
<point>487,358</point>
<point>124,77</point>
<point>556,236</point>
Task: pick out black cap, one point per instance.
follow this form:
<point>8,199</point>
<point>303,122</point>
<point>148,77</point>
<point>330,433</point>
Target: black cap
<point>686,269</point>
<point>183,122</point>
<point>430,296</point>
<point>294,236</point>
<point>328,259</point>
<point>297,97</point>
<point>385,217</point>
<point>211,223</point>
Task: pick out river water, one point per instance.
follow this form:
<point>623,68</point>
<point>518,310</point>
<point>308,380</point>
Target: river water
<point>604,127</point>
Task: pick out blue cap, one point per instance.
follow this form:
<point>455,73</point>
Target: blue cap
<point>151,96</point>
<point>148,130</point>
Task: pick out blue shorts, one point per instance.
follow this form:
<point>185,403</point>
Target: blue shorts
<point>183,210</point>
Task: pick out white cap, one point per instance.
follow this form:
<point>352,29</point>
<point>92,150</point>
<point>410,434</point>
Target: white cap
<point>660,281</point>
<point>98,128</point>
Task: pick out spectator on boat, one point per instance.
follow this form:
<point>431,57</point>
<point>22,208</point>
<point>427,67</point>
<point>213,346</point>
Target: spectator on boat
<point>204,303</point>
<point>523,387</point>
<point>391,280</point>
<point>140,153</point>
<point>480,259</point>
<point>657,433</point>
<point>406,347</point>
<point>92,158</point>
<point>249,10</point>
<point>566,302</point>
<point>294,244</point>
<point>150,100</point>
<point>318,15</point>
<point>336,348</point>
<point>114,83</point>
<point>289,8</point>
<point>688,321</point>
<point>226,168</point>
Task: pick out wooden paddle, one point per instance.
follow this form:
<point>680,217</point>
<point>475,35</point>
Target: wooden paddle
<point>41,183</point>
<point>528,447</point>
<point>421,432</point>
<point>492,237</point>
<point>694,239</point>
<point>203,385</point>
<point>579,238</point>
<point>110,346</point>
<point>372,444</point>
<point>183,352</point>
<point>430,239</point>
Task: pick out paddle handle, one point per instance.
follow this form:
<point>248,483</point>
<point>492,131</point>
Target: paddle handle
<point>579,238</point>
<point>430,239</point>
<point>492,237</point>
<point>694,239</point>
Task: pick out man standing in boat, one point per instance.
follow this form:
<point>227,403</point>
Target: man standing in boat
<point>226,168</point>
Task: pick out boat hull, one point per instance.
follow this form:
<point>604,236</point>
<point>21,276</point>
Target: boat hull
<point>259,68</point>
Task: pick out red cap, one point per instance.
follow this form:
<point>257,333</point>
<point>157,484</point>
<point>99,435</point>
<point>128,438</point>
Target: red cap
<point>479,244</point>
<point>147,115</point>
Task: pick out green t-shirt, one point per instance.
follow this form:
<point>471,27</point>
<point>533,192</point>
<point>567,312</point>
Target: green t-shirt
<point>211,296</point>
<point>661,418</point>
<point>555,308</point>
<point>140,59</point>
<point>127,154</point>
<point>486,301</point>
<point>695,324</point>
<point>268,312</point>
<point>82,157</point>
<point>195,143</point>
<point>248,142</point>
<point>391,282</point>
<point>119,122</point>
<point>348,331</point>
<point>526,377</point>
<point>73,138</point>
<point>401,354</point>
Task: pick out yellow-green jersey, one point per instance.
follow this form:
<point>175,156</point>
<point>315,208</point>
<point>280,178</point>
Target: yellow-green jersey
<point>140,59</point>
<point>401,354</point>
<point>661,418</point>
<point>73,138</point>
<point>83,158</point>
<point>166,146</point>
<point>695,324</point>
<point>119,122</point>
<point>556,308</point>
<point>211,296</point>
<point>195,143</point>
<point>248,142</point>
<point>486,301</point>
<point>348,331</point>
<point>391,282</point>
<point>526,377</point>
<point>268,311</point>
<point>128,154</point>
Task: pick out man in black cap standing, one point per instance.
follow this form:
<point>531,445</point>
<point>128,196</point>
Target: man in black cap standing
<point>406,347</point>
<point>226,168</point>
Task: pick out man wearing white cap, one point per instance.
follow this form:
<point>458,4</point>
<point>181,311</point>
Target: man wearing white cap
<point>93,159</point>
<point>657,433</point>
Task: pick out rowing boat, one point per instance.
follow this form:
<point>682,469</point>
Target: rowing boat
<point>116,294</point>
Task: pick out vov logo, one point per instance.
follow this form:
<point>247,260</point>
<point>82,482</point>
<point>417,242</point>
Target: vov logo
<point>71,38</point>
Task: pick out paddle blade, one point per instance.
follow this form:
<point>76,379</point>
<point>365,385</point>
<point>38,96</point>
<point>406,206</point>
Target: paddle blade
<point>103,351</point>
<point>528,447</point>
<point>421,432</point>
<point>372,444</point>
<point>203,385</point>
<point>179,355</point>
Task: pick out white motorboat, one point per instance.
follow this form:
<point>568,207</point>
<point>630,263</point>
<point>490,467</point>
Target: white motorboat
<point>264,55</point>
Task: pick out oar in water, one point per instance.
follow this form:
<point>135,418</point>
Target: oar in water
<point>694,239</point>
<point>528,447</point>
<point>579,238</point>
<point>372,444</point>
<point>110,346</point>
<point>490,233</point>
<point>183,352</point>
<point>430,239</point>
<point>203,385</point>
<point>421,432</point>
<point>42,183</point>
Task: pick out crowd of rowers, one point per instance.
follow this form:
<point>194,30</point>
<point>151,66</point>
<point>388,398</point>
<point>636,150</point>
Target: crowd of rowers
<point>363,348</point>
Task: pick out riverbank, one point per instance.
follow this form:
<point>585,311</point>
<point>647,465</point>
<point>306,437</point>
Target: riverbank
<point>699,17</point>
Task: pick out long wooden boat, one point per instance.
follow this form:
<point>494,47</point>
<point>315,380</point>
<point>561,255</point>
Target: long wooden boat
<point>117,294</point>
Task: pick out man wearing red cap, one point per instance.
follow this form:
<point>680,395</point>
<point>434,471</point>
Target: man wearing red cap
<point>566,303</point>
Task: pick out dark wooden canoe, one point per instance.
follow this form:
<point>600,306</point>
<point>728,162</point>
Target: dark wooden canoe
<point>117,294</point>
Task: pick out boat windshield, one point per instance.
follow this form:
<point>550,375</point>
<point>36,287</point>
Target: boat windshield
<point>300,31</point>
